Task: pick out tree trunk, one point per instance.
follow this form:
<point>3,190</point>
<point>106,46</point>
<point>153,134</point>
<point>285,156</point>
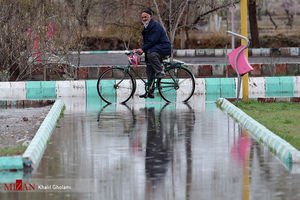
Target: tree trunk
<point>253,23</point>
<point>187,36</point>
<point>186,29</point>
<point>182,38</point>
<point>290,18</point>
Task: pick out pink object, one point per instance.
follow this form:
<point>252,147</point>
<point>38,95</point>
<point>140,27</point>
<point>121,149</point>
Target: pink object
<point>51,31</point>
<point>36,49</point>
<point>242,64</point>
<point>134,60</point>
<point>239,151</point>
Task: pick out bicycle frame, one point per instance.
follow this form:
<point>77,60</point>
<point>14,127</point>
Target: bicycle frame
<point>167,87</point>
<point>128,68</point>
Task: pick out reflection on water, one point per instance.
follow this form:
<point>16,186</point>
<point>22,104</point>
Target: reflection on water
<point>158,148</point>
<point>153,133</point>
<point>158,151</point>
<point>161,138</point>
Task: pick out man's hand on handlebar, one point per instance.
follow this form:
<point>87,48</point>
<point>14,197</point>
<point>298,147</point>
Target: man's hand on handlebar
<point>139,51</point>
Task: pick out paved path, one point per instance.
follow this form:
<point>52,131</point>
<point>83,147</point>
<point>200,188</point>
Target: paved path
<point>121,59</point>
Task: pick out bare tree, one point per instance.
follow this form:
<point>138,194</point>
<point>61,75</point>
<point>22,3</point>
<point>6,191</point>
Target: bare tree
<point>33,34</point>
<point>174,15</point>
<point>121,19</point>
<point>185,15</point>
<point>170,13</point>
<point>271,19</point>
<point>206,7</point>
<point>253,23</point>
<point>81,10</point>
<point>290,9</point>
<point>15,53</point>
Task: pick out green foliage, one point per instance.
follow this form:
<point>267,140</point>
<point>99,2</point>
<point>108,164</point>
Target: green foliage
<point>61,115</point>
<point>4,75</point>
<point>13,151</point>
<point>281,118</point>
<point>219,104</point>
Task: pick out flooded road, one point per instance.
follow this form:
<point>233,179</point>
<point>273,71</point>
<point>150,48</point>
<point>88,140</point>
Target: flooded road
<point>156,151</point>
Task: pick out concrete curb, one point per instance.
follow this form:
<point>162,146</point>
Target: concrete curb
<point>212,88</point>
<point>282,149</point>
<point>11,163</point>
<point>36,148</point>
<point>99,52</point>
<point>284,51</point>
<point>25,103</point>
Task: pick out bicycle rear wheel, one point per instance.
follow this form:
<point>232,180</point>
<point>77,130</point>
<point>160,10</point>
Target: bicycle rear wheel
<point>116,85</point>
<point>178,85</point>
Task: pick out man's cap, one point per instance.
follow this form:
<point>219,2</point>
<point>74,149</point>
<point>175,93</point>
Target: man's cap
<point>148,11</point>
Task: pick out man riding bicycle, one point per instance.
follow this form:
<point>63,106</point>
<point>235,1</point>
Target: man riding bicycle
<point>156,46</point>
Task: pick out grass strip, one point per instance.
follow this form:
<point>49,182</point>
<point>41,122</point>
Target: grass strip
<point>13,151</point>
<point>282,119</point>
<point>61,115</point>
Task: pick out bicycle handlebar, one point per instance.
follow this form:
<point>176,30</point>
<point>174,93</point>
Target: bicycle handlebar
<point>128,53</point>
<point>131,52</point>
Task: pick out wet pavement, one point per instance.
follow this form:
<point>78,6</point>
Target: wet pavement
<point>156,151</point>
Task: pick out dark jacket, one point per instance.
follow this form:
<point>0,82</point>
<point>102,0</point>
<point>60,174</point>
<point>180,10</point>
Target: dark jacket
<point>155,39</point>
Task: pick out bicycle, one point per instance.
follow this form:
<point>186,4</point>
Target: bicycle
<point>178,84</point>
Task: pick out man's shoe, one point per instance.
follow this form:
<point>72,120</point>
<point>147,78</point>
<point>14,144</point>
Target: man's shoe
<point>151,95</point>
<point>160,74</point>
<point>147,95</point>
<point>144,95</point>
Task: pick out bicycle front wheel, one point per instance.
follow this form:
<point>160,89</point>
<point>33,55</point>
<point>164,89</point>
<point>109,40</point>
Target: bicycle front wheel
<point>178,85</point>
<point>116,85</point>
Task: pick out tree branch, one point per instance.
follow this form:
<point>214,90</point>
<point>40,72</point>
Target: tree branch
<point>196,21</point>
<point>159,15</point>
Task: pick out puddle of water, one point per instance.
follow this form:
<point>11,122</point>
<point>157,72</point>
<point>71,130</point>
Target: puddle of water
<point>158,151</point>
